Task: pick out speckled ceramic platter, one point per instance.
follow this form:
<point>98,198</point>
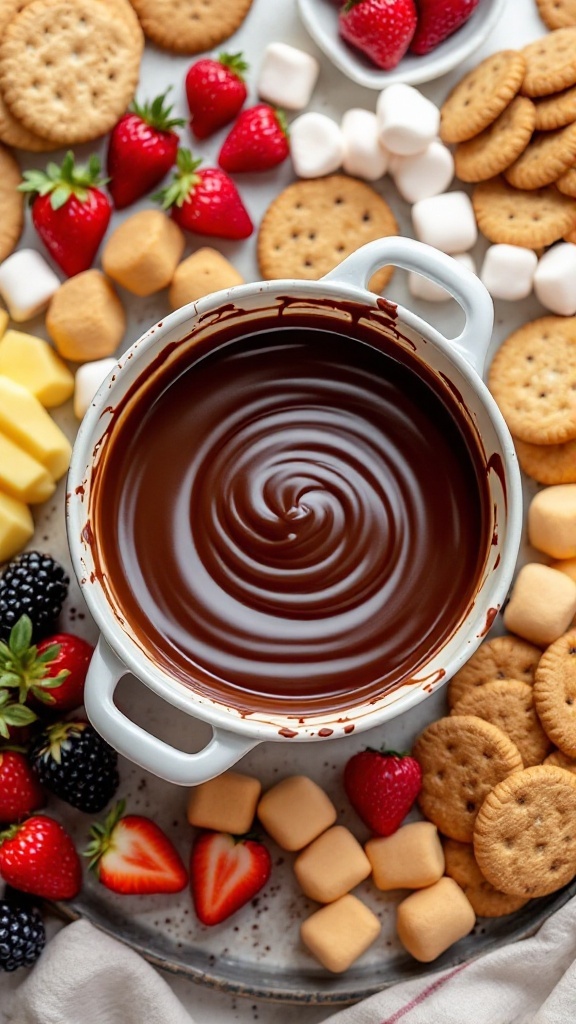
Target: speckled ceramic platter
<point>257,953</point>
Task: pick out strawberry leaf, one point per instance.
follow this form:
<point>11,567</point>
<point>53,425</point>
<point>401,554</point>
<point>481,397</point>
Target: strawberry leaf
<point>20,636</point>
<point>157,113</point>
<point>235,62</point>
<point>183,182</point>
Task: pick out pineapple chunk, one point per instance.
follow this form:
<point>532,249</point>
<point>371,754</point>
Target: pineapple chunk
<point>33,363</point>
<point>27,423</point>
<point>16,526</point>
<point>21,476</point>
<point>4,321</point>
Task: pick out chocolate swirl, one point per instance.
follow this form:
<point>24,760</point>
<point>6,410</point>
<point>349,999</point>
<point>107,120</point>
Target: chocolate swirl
<point>296,516</point>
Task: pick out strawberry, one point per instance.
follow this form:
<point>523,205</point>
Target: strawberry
<point>52,673</point>
<point>225,873</point>
<point>141,150</point>
<point>438,19</point>
<point>205,201</point>
<point>131,854</point>
<point>257,141</point>
<point>39,857</point>
<point>382,786</point>
<point>69,211</point>
<point>382,29</point>
<point>20,791</point>
<point>215,91</point>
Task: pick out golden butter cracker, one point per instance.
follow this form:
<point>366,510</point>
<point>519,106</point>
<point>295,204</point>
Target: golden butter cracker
<point>502,657</point>
<point>548,463</point>
<point>545,158</point>
<point>509,704</point>
<point>560,760</point>
<point>555,692</point>
<point>190,26</point>
<point>550,63</point>
<point>531,219</point>
<point>481,96</point>
<point>11,203</point>
<point>566,183</point>
<point>556,110</point>
<point>557,13</point>
<point>485,899</point>
<point>499,145</point>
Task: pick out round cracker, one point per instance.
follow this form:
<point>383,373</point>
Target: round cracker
<point>560,760</point>
<point>545,158</point>
<point>481,96</point>
<point>462,759</point>
<point>485,899</point>
<point>550,63</point>
<point>11,203</point>
<point>314,224</point>
<point>557,13</point>
<point>556,111</point>
<point>549,464</point>
<point>533,379</point>
<point>567,183</point>
<point>531,219</point>
<point>509,704</point>
<point>12,132</point>
<point>525,834</point>
<point>68,68</point>
<point>555,692</point>
<point>190,26</point>
<point>503,657</point>
<point>499,145</point>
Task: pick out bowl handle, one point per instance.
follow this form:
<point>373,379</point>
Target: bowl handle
<point>464,286</point>
<point>224,749</point>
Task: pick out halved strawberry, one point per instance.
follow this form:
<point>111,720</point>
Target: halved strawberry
<point>131,854</point>
<point>225,873</point>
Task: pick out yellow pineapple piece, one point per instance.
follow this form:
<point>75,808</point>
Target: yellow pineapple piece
<point>16,526</point>
<point>21,476</point>
<point>32,362</point>
<point>27,423</point>
<point>4,321</point>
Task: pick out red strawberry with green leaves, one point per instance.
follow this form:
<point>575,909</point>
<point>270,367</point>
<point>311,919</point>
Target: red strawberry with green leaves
<point>382,786</point>
<point>69,211</point>
<point>141,150</point>
<point>51,673</point>
<point>131,854</point>
<point>225,873</point>
<point>205,201</point>
<point>20,790</point>
<point>39,857</point>
<point>257,141</point>
<point>381,29</point>
<point>215,91</point>
<point>438,19</point>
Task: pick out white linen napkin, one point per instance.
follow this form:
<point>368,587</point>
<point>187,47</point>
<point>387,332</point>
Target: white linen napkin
<point>84,975</point>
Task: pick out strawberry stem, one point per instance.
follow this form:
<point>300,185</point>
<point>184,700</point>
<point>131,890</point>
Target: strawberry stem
<point>157,113</point>
<point>64,180</point>
<point>22,666</point>
<point>183,182</point>
<point>235,62</point>
<point>101,833</point>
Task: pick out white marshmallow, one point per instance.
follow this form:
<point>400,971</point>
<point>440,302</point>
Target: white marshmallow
<point>364,155</point>
<point>88,379</point>
<point>423,288</point>
<point>425,174</point>
<point>508,271</point>
<point>555,279</point>
<point>316,145</point>
<point>408,121</point>
<point>287,76</point>
<point>446,221</point>
<point>27,283</point>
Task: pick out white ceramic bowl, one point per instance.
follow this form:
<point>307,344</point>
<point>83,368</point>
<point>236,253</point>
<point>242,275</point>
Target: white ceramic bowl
<point>320,18</point>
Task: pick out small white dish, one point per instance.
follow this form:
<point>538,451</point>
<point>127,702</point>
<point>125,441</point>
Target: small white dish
<point>320,17</point>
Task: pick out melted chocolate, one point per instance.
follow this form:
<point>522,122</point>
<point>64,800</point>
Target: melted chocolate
<point>294,519</point>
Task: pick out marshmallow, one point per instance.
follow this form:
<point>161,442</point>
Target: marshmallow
<point>205,271</point>
<point>423,288</point>
<point>426,174</point>
<point>446,221</point>
<point>287,76</point>
<point>142,253</point>
<point>554,279</point>
<point>542,604</point>
<point>332,865</point>
<point>86,319</point>
<point>296,811</point>
<point>316,145</point>
<point>508,271</point>
<point>88,379</point>
<point>225,804</point>
<point>340,932</point>
<point>408,121</point>
<point>433,919</point>
<point>27,284</point>
<point>552,521</point>
<point>411,858</point>
<point>566,565</point>
<point>364,155</point>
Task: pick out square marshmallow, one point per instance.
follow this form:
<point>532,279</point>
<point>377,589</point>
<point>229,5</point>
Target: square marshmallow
<point>332,865</point>
<point>426,174</point>
<point>87,380</point>
<point>27,284</point>
<point>542,604</point>
<point>225,804</point>
<point>508,271</point>
<point>340,932</point>
<point>364,155</point>
<point>287,76</point>
<point>446,221</point>
<point>316,145</point>
<point>296,811</point>
<point>423,288</point>
<point>555,278</point>
<point>551,520</point>
<point>408,121</point>
<point>431,920</point>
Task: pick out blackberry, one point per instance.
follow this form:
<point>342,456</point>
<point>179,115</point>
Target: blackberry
<point>32,584</point>
<point>76,764</point>
<point>22,935</point>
